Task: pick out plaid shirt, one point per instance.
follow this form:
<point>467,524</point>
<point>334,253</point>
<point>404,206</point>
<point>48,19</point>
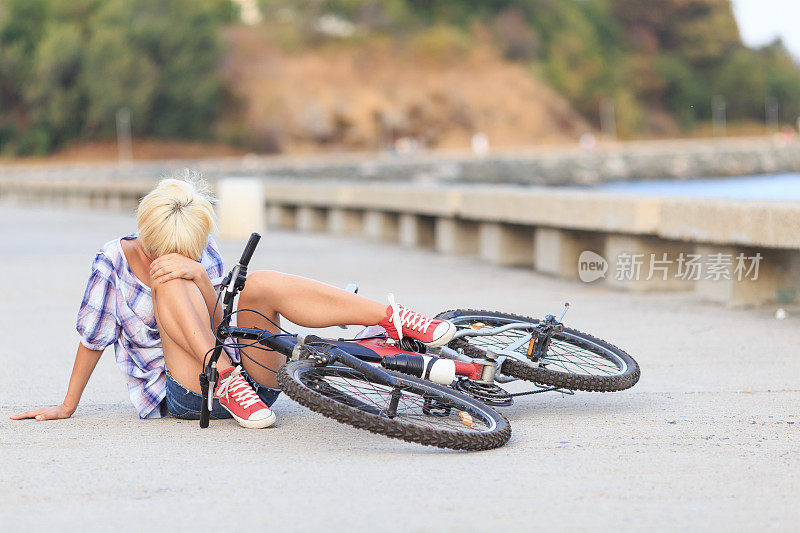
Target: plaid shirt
<point>117,308</point>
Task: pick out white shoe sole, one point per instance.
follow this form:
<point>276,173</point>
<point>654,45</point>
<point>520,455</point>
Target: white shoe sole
<point>255,424</point>
<point>444,339</point>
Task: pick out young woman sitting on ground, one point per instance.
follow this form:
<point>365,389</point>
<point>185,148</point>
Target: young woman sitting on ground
<point>152,295</point>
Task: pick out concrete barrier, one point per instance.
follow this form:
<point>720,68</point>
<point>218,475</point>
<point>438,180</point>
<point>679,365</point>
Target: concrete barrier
<point>647,242</point>
<point>506,244</point>
<point>241,207</point>
<point>730,252</point>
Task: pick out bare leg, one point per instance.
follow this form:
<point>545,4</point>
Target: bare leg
<point>303,301</point>
<point>185,328</point>
<point>307,302</point>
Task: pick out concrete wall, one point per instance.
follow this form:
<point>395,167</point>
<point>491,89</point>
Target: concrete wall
<point>730,252</point>
<point>708,246</point>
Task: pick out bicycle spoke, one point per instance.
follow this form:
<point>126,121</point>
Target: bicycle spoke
<point>566,354</point>
<point>353,389</point>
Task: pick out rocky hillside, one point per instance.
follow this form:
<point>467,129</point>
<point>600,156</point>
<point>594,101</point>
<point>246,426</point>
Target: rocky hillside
<point>356,97</point>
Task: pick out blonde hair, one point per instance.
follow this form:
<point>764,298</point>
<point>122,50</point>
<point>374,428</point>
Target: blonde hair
<point>177,217</point>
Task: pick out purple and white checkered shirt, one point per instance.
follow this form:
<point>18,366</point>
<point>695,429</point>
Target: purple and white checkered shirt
<point>117,308</point>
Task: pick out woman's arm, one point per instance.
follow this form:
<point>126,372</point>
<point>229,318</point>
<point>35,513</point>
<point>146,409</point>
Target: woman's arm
<point>174,266</point>
<point>85,362</point>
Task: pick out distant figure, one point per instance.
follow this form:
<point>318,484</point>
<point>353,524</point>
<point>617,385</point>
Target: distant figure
<point>407,146</point>
<point>480,144</point>
<point>787,135</point>
<point>588,142</point>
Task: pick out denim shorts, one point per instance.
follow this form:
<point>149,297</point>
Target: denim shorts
<point>183,403</point>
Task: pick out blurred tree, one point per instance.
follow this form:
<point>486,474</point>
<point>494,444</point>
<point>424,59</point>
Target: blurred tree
<point>680,45</point>
<point>160,60</point>
<point>742,81</point>
<point>685,94</point>
<point>54,92</point>
<point>66,66</point>
<point>21,27</point>
<point>705,32</point>
<point>783,80</point>
<point>115,78</point>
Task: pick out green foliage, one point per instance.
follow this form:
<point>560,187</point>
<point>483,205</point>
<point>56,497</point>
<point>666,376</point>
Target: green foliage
<point>441,43</point>
<point>783,81</point>
<point>629,113</point>
<point>684,92</point>
<point>742,80</point>
<point>67,66</point>
<point>21,24</point>
<point>54,91</point>
<point>705,40</point>
<point>170,81</point>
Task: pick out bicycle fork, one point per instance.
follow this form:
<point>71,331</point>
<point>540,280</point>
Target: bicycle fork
<point>208,384</point>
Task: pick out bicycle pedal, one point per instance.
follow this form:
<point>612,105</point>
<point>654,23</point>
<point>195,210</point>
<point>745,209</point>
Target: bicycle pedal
<point>412,345</point>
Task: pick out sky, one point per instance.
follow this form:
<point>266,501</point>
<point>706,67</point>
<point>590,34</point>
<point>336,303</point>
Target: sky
<point>760,21</point>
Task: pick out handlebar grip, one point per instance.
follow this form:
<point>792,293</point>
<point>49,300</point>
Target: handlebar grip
<point>308,339</point>
<point>249,249</point>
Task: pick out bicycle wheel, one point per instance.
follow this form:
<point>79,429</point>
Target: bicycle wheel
<point>427,413</point>
<point>574,360</point>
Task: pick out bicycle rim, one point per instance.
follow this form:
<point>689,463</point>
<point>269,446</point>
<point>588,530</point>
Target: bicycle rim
<point>425,413</point>
<point>574,359</point>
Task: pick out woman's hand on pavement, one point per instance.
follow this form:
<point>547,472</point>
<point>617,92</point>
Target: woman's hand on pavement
<point>46,413</point>
<point>175,266</point>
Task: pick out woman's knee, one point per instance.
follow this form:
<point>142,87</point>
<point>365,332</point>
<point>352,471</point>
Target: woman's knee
<point>263,284</point>
<point>174,288</point>
<point>177,295</point>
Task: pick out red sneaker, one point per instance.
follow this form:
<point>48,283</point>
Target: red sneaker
<point>400,322</point>
<point>239,399</point>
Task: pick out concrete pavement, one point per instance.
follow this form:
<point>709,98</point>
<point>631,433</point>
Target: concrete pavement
<point>708,439</point>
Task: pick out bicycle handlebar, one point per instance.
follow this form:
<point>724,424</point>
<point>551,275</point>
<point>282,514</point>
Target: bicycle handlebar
<point>249,249</point>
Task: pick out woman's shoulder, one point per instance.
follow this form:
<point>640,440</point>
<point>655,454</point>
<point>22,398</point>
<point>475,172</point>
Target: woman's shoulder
<point>212,260</point>
<point>109,256</point>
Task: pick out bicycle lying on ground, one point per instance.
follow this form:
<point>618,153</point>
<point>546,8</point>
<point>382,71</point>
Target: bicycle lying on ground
<point>438,398</point>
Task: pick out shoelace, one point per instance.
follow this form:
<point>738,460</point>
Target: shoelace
<point>238,388</point>
<point>412,320</point>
